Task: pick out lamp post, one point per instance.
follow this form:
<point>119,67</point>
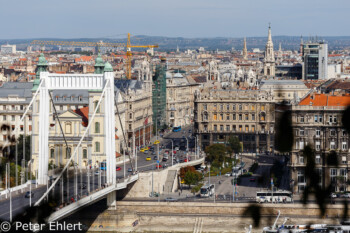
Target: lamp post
<point>187,149</point>
<point>172,153</point>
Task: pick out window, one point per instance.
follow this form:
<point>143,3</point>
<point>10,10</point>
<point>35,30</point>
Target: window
<point>221,107</point>
<point>253,128</point>
<point>247,128</point>
<point>4,117</point>
<point>240,117</point>
<point>318,159</point>
<point>333,172</point>
<point>246,117</point>
<point>97,147</point>
<point>205,107</point>
<point>253,108</point>
<point>215,128</point>
<point>21,127</point>
<point>344,146</point>
<point>84,154</point>
<point>227,127</point>
<point>301,159</point>
<point>4,107</point>
<point>253,117</point>
<point>332,132</point>
<point>13,118</point>
<point>344,133</point>
<point>52,153</point>
<point>234,117</point>
<point>214,107</point>
<point>318,133</point>
<point>130,116</point>
<point>68,128</point>
<point>335,119</point>
<point>21,107</point>
<point>330,119</point>
<point>205,128</point>
<point>301,119</point>
<point>318,145</point>
<point>234,107</point>
<point>240,107</point>
<point>301,145</point>
<point>262,107</point>
<point>221,117</point>
<point>301,132</point>
<point>130,126</point>
<point>61,107</point>
<point>233,127</point>
<point>97,127</point>
<point>221,128</point>
<point>343,159</point>
<point>227,107</point>
<point>240,128</point>
<point>332,145</point>
<point>316,118</point>
<point>95,106</point>
<point>80,98</point>
<point>227,117</point>
<point>215,117</point>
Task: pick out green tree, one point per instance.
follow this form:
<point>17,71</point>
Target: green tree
<point>216,153</point>
<point>234,145</point>
<point>192,177</point>
<point>20,149</point>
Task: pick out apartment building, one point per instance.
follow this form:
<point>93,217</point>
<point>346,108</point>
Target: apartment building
<point>317,122</point>
<point>248,114</point>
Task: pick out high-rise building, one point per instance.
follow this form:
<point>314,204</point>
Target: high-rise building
<point>315,57</point>
<point>269,60</point>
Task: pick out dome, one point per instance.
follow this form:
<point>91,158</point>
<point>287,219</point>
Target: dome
<point>99,60</point>
<point>42,61</point>
<point>108,67</point>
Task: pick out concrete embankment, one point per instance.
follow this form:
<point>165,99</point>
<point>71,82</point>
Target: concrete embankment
<point>214,217</point>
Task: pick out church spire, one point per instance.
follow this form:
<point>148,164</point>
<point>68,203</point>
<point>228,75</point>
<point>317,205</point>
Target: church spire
<point>269,36</point>
<point>245,51</point>
<point>269,60</point>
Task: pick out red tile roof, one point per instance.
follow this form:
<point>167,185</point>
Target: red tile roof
<point>326,100</point>
<point>84,112</point>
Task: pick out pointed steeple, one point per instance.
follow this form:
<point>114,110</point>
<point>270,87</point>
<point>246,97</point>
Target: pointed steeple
<point>269,60</point>
<point>269,39</point>
<point>245,52</point>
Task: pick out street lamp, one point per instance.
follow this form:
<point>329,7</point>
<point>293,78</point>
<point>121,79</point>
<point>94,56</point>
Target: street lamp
<point>187,149</point>
<point>172,153</point>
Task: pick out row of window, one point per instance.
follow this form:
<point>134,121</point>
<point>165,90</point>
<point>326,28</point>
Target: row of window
<point>332,132</point>
<point>234,117</point>
<point>68,150</point>
<point>318,160</point>
<point>228,128</point>
<point>319,119</point>
<point>65,98</point>
<point>12,107</point>
<point>229,107</point>
<point>332,145</point>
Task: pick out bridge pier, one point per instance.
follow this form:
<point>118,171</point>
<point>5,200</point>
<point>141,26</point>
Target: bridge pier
<point>112,200</point>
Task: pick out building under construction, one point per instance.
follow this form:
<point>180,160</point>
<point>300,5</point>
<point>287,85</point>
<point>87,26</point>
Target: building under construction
<point>159,95</point>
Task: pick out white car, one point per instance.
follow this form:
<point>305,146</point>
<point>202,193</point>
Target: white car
<point>346,195</point>
<point>333,195</point>
<point>228,174</point>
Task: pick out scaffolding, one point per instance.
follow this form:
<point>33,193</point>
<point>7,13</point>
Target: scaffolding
<point>159,96</point>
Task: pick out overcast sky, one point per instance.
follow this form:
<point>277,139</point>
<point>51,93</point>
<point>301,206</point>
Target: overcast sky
<point>182,18</point>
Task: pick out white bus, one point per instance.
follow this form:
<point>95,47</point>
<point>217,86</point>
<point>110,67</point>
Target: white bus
<point>207,190</point>
<point>275,196</point>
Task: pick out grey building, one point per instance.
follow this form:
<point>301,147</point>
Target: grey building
<point>315,57</point>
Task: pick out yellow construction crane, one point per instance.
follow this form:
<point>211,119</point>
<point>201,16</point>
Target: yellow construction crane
<point>129,54</point>
<point>99,45</point>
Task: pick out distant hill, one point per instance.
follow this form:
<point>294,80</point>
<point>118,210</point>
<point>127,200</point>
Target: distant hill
<point>221,43</point>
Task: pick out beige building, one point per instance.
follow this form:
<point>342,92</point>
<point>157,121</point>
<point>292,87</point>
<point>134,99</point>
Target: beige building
<point>317,122</point>
<point>249,115</point>
<point>285,90</point>
<point>180,100</point>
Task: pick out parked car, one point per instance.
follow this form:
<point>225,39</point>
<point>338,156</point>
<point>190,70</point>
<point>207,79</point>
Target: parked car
<point>170,199</point>
<point>97,173</point>
<point>158,166</point>
<point>164,159</point>
<point>146,152</point>
<point>228,174</point>
<point>129,169</point>
<point>346,195</point>
<point>148,158</point>
<point>153,152</point>
<point>118,168</point>
<point>155,157</point>
<point>29,194</point>
<point>333,195</point>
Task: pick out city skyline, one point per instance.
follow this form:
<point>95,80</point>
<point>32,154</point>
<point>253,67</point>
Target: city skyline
<point>194,19</point>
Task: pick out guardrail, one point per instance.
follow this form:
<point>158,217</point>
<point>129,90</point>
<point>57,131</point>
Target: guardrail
<point>93,197</point>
